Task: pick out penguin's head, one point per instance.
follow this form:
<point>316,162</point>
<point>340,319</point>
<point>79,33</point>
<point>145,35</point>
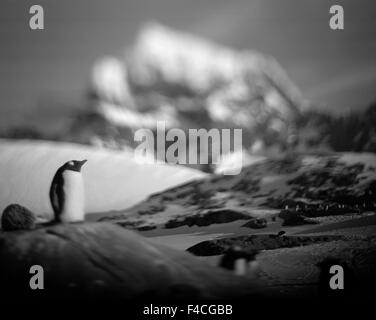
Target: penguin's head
<point>74,165</point>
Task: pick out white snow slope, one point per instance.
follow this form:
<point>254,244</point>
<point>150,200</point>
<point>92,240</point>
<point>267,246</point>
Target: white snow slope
<point>113,180</point>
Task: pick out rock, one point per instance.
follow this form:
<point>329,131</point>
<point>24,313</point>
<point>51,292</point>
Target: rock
<point>102,260</point>
<point>256,223</point>
<point>208,218</point>
<point>146,228</point>
<point>256,242</point>
<point>132,225</point>
<point>16,217</point>
<point>294,218</point>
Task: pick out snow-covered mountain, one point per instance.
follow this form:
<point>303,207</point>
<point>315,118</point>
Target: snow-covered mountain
<point>189,82</point>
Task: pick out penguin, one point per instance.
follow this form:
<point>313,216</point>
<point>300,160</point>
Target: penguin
<point>241,262</point>
<point>67,193</point>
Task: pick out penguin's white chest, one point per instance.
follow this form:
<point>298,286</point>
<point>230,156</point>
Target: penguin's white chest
<point>74,197</point>
<point>242,268</point>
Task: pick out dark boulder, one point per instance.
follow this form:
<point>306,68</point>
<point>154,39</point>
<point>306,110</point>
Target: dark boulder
<point>256,223</point>
<point>208,218</point>
<point>256,242</point>
<point>101,260</point>
<point>294,218</point>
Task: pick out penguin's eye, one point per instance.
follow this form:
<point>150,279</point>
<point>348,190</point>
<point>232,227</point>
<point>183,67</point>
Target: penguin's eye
<point>71,163</point>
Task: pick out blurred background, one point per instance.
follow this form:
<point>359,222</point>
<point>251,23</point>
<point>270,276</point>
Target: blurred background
<point>302,93</point>
<point>101,69</point>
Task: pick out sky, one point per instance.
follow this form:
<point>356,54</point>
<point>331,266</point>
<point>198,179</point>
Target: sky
<point>335,69</point>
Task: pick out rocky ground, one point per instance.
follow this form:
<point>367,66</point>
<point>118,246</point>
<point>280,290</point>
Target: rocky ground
<point>300,189</point>
<point>297,213</point>
<point>100,260</point>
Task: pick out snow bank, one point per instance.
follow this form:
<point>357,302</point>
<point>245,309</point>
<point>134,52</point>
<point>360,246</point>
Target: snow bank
<point>113,179</point>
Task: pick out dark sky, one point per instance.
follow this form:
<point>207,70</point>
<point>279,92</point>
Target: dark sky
<point>337,68</point>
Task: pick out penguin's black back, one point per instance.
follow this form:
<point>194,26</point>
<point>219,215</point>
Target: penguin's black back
<point>57,192</point>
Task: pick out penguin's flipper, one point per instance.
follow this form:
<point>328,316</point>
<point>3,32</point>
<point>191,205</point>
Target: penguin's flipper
<point>56,194</point>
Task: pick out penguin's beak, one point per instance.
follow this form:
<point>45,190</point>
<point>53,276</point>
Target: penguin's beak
<point>81,163</point>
